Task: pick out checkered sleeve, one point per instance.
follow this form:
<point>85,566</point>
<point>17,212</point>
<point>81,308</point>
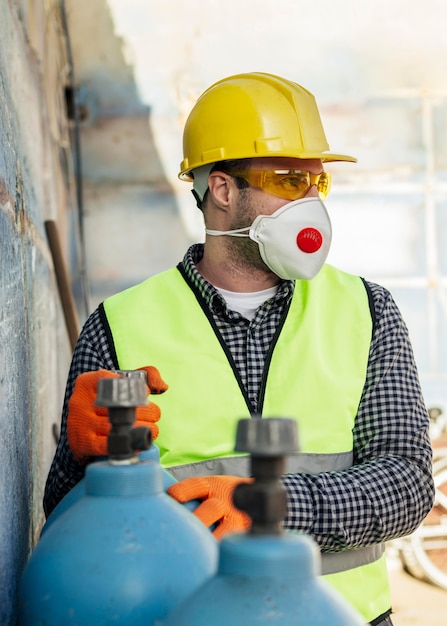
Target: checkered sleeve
<point>92,352</point>
<point>389,489</point>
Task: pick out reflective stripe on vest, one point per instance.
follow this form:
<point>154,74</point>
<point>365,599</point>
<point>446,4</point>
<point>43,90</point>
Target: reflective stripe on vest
<point>315,375</point>
<point>240,466</point>
<point>306,463</point>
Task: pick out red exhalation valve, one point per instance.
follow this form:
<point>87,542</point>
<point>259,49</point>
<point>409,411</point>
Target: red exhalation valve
<point>309,240</point>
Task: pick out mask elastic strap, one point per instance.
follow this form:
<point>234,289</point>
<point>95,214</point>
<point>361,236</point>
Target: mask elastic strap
<point>239,232</point>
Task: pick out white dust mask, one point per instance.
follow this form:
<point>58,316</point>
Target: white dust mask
<point>294,241</point>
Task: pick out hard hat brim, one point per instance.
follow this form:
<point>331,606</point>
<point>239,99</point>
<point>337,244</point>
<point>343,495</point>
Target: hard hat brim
<point>186,175</point>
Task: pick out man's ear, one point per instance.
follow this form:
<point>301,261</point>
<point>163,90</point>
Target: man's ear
<point>220,188</point>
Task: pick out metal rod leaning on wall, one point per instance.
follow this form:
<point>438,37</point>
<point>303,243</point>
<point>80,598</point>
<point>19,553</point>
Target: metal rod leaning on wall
<point>63,283</point>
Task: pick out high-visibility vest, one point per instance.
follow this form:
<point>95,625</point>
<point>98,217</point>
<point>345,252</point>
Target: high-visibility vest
<point>314,373</point>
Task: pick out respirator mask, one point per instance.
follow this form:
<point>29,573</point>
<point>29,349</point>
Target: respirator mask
<point>294,241</point>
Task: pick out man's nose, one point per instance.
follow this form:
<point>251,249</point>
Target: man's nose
<point>312,193</point>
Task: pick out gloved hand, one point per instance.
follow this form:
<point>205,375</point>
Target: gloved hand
<point>88,425</point>
<point>217,507</point>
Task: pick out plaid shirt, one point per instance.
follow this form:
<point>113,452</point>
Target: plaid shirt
<point>388,490</point>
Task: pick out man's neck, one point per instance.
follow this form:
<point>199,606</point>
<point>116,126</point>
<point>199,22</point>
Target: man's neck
<point>224,275</point>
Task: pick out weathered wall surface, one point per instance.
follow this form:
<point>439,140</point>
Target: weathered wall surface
<point>34,349</point>
<point>131,228</point>
<point>132,223</point>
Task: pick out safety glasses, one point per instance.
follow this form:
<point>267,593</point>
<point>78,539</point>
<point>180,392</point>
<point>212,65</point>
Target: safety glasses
<point>289,184</point>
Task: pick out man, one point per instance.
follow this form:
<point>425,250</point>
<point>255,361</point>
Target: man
<point>254,322</point>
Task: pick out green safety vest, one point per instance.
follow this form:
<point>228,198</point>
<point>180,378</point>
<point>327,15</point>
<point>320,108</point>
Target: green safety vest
<point>314,373</point>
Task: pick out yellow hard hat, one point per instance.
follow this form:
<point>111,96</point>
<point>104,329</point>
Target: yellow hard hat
<point>254,115</point>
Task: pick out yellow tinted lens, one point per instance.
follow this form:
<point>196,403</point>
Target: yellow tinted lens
<point>323,183</point>
<point>289,184</point>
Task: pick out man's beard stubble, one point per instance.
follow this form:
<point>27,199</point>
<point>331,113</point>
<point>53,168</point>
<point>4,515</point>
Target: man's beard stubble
<point>243,252</point>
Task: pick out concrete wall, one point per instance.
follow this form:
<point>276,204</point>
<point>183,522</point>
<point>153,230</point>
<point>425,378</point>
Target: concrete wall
<point>132,223</point>
<point>34,348</point>
<point>94,170</point>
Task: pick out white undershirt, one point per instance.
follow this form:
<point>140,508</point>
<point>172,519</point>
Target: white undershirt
<point>247,303</point>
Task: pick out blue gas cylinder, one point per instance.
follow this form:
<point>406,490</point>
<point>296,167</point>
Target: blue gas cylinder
<point>124,553</point>
<point>78,491</point>
<point>265,576</point>
<point>269,580</point>
<point>151,454</point>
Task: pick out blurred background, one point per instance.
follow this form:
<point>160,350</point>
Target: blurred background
<point>378,73</point>
<point>93,98</point>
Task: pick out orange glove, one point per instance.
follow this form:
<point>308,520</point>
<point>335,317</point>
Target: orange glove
<point>88,425</point>
<point>217,507</point>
